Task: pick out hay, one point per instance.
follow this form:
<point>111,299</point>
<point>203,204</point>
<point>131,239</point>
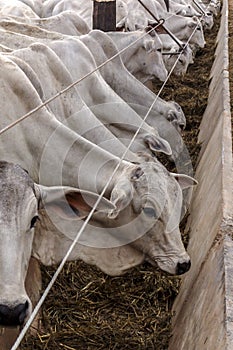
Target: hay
<point>88,310</point>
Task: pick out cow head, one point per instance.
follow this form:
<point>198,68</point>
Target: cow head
<point>152,60</point>
<point>197,38</point>
<point>176,116</point>
<point>181,60</point>
<point>207,20</point>
<point>146,63</point>
<point>18,216</point>
<point>143,225</point>
<point>20,204</point>
<point>155,199</point>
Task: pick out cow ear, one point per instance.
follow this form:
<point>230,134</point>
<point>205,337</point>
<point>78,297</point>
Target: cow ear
<point>193,23</point>
<point>70,202</point>
<point>158,144</point>
<point>195,18</point>
<point>184,181</point>
<point>121,196</point>
<point>149,45</point>
<point>121,24</point>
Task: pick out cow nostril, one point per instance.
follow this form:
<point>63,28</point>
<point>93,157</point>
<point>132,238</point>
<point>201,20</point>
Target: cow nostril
<point>183,267</point>
<point>23,312</point>
<point>182,126</point>
<point>15,316</point>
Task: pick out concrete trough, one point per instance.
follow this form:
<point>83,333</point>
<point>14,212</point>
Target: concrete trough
<point>204,307</point>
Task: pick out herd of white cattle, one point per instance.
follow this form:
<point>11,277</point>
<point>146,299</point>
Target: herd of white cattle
<point>90,139</point>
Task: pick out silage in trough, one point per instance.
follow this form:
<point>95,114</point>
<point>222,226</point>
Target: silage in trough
<point>87,309</point>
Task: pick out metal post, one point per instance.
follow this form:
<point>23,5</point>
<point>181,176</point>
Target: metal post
<point>163,26</point>
<point>199,7</point>
<point>104,15</point>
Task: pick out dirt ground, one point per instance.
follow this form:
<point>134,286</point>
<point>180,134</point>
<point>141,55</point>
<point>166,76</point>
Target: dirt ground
<point>87,309</point>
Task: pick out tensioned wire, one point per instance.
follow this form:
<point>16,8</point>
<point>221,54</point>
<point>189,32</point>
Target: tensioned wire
<point>64,260</point>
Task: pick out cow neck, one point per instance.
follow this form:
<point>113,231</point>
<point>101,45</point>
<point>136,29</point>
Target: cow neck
<point>130,89</point>
<point>76,161</point>
<point>123,40</point>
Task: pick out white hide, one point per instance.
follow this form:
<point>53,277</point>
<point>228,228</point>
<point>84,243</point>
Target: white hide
<point>144,59</point>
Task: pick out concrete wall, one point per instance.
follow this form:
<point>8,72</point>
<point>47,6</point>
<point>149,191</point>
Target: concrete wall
<point>204,307</point>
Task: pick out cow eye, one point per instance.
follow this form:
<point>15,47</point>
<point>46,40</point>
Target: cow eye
<point>33,221</point>
<point>149,211</point>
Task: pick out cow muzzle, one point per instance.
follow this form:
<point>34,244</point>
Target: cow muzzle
<point>173,267</point>
<point>13,316</point>
<point>183,267</point>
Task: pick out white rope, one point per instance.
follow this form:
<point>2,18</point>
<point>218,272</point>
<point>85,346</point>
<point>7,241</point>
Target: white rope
<point>64,260</point>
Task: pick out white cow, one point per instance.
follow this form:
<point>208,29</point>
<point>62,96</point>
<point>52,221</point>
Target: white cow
<point>82,7</point>
<point>105,104</point>
<point>16,8</point>
<point>42,59</point>
<point>55,137</point>
<point>23,202</point>
<point>187,10</point>
<point>211,7</point>
<point>144,59</point>
<point>19,195</point>
<point>109,108</point>
<point>121,81</point>
<point>185,27</point>
<point>35,5</point>
<point>185,57</point>
<point>15,35</point>
<point>121,10</point>
<point>214,7</point>
<point>182,27</point>
<point>69,108</point>
<point>130,89</point>
<point>67,22</point>
<point>204,11</point>
<point>68,146</point>
<point>137,17</point>
<point>124,84</point>
<point>136,94</point>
